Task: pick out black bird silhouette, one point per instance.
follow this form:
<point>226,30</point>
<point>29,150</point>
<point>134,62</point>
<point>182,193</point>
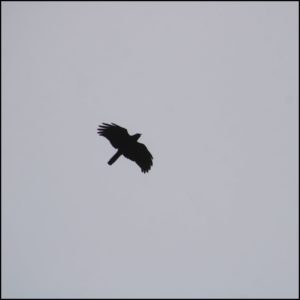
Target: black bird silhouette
<point>127,145</point>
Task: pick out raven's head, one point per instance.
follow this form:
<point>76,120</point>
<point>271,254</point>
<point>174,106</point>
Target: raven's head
<point>136,136</point>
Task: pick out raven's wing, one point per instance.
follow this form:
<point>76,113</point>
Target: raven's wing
<point>141,155</point>
<point>116,134</point>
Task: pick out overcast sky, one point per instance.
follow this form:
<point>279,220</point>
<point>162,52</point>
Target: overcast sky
<point>213,88</point>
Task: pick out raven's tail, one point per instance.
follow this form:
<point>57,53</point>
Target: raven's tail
<point>115,157</point>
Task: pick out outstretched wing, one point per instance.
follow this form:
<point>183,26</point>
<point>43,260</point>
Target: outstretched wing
<point>141,155</point>
<point>116,134</point>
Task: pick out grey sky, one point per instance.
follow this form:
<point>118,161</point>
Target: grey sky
<point>213,88</point>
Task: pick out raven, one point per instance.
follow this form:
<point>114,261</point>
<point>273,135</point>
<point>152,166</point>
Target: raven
<point>126,145</point>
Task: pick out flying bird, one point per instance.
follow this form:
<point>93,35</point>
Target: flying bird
<point>127,145</point>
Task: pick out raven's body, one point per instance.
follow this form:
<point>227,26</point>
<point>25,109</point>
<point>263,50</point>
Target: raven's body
<point>127,145</point>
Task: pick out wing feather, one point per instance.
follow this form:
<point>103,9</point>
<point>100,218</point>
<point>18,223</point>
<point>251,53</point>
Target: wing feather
<point>116,134</point>
<point>141,155</point>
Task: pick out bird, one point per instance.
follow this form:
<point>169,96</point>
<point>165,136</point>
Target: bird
<point>127,145</point>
